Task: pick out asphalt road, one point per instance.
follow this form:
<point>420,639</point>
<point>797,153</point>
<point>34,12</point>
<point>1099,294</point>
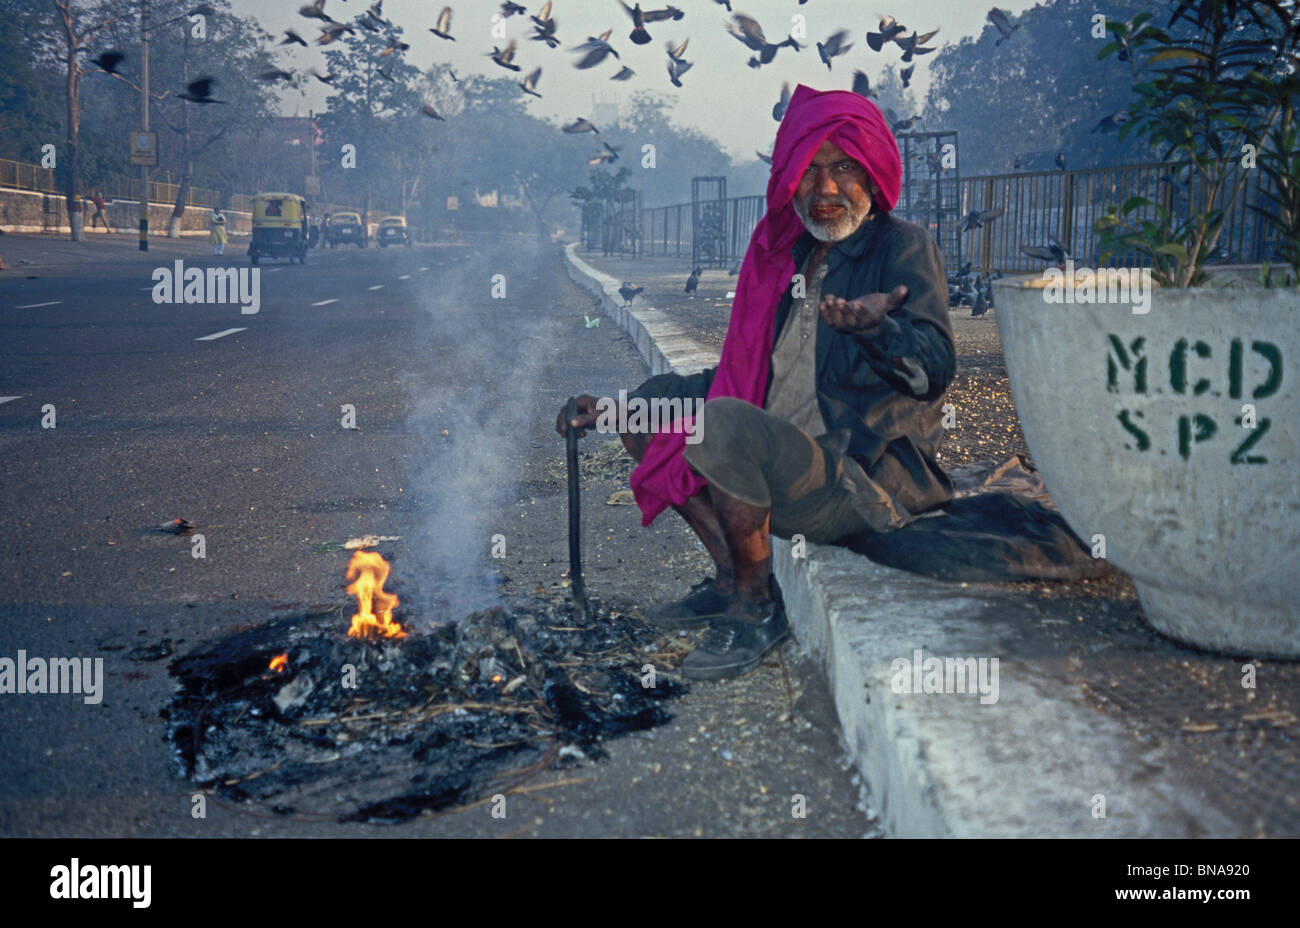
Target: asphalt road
<point>159,416</point>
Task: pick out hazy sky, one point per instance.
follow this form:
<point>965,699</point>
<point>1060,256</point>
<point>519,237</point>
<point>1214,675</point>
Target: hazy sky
<point>721,96</point>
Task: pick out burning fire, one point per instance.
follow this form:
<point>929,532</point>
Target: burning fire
<point>279,662</point>
<point>369,571</point>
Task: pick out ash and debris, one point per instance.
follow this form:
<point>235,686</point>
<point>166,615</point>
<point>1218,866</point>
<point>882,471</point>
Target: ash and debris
<point>435,720</point>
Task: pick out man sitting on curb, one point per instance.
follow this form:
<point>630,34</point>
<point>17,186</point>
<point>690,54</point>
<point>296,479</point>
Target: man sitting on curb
<point>823,415</point>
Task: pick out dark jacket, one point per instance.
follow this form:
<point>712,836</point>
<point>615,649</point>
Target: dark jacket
<point>891,428</point>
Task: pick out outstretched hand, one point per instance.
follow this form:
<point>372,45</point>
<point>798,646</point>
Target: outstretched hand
<point>864,315</point>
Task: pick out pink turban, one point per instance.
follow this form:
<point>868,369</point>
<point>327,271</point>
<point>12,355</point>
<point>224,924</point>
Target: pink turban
<point>857,126</point>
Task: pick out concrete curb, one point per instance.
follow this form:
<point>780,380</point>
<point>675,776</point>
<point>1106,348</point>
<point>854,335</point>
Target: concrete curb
<point>941,765</point>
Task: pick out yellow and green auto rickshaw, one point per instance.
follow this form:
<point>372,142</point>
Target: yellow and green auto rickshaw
<point>279,227</point>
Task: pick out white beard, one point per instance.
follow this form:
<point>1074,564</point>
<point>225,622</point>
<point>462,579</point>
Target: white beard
<point>837,230</point>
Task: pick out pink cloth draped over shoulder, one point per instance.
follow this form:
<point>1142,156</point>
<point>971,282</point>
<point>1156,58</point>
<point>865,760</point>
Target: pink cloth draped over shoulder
<point>857,126</point>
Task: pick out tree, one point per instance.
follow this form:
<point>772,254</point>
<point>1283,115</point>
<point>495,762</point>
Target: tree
<point>77,27</point>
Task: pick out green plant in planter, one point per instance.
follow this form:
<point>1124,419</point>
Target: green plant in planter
<point>1228,83</point>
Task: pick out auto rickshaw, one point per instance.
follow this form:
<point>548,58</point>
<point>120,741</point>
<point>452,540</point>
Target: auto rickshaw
<point>393,231</point>
<point>279,227</point>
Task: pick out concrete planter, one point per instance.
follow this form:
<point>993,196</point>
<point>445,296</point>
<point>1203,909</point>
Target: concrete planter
<point>1137,422</point>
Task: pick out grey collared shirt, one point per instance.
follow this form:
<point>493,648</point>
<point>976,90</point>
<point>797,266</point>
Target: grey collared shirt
<point>793,394</point>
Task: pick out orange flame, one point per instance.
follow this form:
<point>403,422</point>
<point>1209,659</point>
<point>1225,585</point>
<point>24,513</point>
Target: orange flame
<point>370,571</point>
<point>279,662</point>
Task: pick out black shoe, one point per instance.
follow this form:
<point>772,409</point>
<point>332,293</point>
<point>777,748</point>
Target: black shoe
<point>704,603</point>
<point>735,646</point>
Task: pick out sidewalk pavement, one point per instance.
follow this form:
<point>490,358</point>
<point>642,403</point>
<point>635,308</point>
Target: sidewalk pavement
<point>1090,724</point>
<point>46,252</point>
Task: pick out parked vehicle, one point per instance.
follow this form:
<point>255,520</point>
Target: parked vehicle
<point>393,231</point>
<point>279,227</point>
<point>346,228</point>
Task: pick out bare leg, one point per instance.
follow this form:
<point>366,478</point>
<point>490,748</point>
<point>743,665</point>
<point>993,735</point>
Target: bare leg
<point>746,531</point>
<point>699,514</point>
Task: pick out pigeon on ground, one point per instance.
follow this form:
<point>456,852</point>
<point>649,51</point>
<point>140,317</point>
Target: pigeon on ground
<point>443,28</point>
<point>178,527</point>
<point>1060,160</point>
<point>693,282</point>
<point>628,292</point>
<point>1002,24</point>
<point>394,45</point>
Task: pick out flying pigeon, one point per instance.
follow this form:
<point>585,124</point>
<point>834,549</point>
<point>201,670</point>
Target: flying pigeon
<point>597,49</point>
<point>1113,121</point>
<point>779,108</point>
<point>1055,252</point>
<point>639,36</point>
<point>505,56</point>
<point>509,9</point>
<point>315,11</point>
<point>862,85</point>
<point>108,61</point>
<point>200,91</point>
<point>275,74</point>
<point>530,82</point>
<point>1002,24</point>
<point>889,29</point>
<point>323,78</point>
<point>625,73</point>
<point>676,68</point>
<point>580,125</point>
<point>975,219</point>
<point>429,111</point>
<point>291,37</point>
<point>443,29</point>
<point>906,75</point>
<point>833,47</point>
<point>749,33</point>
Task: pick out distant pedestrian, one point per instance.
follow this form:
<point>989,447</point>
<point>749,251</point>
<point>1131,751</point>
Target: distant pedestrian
<point>100,216</point>
<point>218,236</point>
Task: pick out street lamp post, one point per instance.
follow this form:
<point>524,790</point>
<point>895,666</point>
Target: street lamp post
<point>204,9</point>
<point>144,122</point>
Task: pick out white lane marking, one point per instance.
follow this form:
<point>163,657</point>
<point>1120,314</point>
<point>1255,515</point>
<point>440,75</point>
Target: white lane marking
<point>272,270</point>
<point>731,294</point>
<point>222,334</point>
<point>324,302</point>
<point>376,287</point>
<point>9,399</point>
<point>39,305</point>
<point>405,277</point>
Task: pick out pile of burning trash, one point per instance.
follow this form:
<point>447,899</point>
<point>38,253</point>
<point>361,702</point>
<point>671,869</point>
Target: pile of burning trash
<point>382,724</point>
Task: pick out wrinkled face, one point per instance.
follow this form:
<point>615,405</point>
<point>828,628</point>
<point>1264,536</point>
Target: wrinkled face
<point>834,195</point>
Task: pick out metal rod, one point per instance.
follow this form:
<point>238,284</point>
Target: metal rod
<point>575,538</point>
